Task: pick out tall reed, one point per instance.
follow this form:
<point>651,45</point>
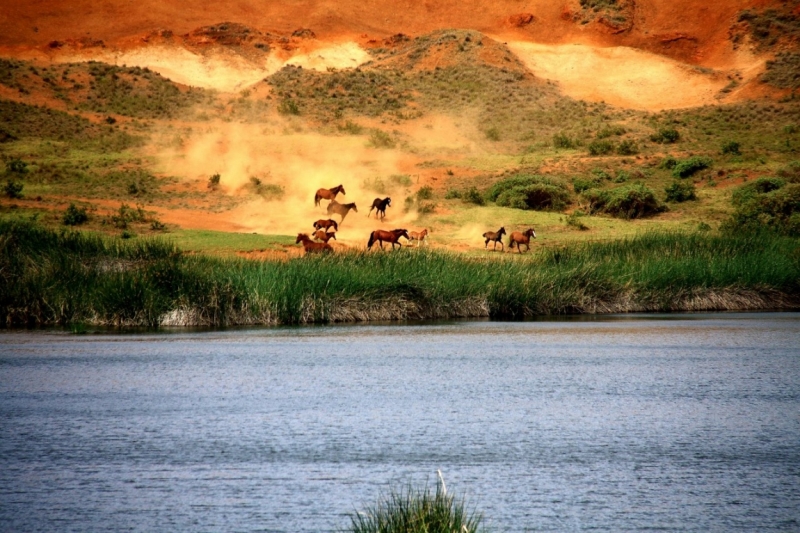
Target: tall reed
<point>60,277</point>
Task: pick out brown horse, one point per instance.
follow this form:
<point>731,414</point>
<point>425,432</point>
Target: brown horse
<point>324,236</point>
<point>419,236</point>
<point>380,207</point>
<point>521,238</point>
<point>326,224</point>
<point>341,209</point>
<point>328,194</point>
<point>312,247</point>
<point>382,236</point>
<point>496,236</point>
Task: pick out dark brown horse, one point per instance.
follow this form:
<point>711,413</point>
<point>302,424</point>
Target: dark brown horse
<point>496,236</point>
<point>380,207</point>
<point>382,236</point>
<point>326,224</point>
<point>324,236</point>
<point>341,209</point>
<point>312,247</point>
<point>521,238</point>
<point>328,194</point>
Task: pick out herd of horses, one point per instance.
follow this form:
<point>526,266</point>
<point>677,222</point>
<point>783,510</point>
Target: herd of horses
<point>322,228</point>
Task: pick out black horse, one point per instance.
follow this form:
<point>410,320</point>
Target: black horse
<point>496,236</point>
<point>380,207</point>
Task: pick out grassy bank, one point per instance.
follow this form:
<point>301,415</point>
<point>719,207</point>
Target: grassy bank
<point>49,277</point>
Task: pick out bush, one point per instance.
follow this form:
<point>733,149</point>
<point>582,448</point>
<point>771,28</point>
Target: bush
<point>452,194</point>
<point>18,166</point>
<point>380,139</point>
<point>13,189</point>
<point>747,192</point>
<point>601,147</point>
<point>777,210</point>
<point>473,196</point>
<point>688,167</point>
<point>213,181</point>
<point>425,193</point>
<point>288,107</point>
<point>584,184</point>
<point>731,147</point>
<point>627,201</point>
<point>416,511</point>
<point>609,131</point>
<point>562,140</point>
<point>622,176</point>
<point>665,136</point>
<point>530,192</point>
<point>791,172</point>
<point>74,216</point>
<point>574,221</point>
<point>681,191</point>
<point>493,134</point>
<point>627,147</point>
<point>668,163</point>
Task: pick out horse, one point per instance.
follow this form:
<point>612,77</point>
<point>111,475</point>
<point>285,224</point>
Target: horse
<point>326,224</point>
<point>521,238</point>
<point>496,236</point>
<point>393,237</point>
<point>328,194</point>
<point>312,247</point>
<point>419,236</point>
<point>341,209</point>
<point>380,206</point>
<point>324,236</point>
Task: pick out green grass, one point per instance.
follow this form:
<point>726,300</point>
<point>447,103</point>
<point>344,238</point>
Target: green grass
<point>220,242</point>
<point>414,510</point>
<point>49,277</point>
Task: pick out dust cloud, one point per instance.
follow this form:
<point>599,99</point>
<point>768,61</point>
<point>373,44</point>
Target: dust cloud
<point>300,163</point>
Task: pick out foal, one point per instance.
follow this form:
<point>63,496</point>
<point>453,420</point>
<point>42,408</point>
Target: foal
<point>312,247</point>
<point>496,236</point>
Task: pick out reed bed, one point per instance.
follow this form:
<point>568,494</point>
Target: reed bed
<point>64,277</point>
<point>414,510</point>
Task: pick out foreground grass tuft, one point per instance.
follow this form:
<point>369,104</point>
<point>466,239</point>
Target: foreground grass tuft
<point>416,511</point>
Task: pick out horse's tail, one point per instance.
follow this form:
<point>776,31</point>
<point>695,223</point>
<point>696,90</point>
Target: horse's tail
<point>371,240</point>
<point>511,243</point>
<point>316,200</point>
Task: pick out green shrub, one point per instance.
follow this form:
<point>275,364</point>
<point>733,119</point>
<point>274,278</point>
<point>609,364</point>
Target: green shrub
<point>562,140</point>
<point>731,147</point>
<point>13,189</point>
<point>681,191</point>
<point>473,196</point>
<point>380,139</point>
<point>17,166</point>
<point>584,184</point>
<point>525,191</point>
<point>749,191</point>
<point>622,176</point>
<point>403,180</point>
<point>668,163</point>
<point>288,107</point>
<point>74,216</point>
<point>601,147</point>
<point>493,134</point>
<point>665,136</point>
<point>351,127</point>
<point>687,167</point>
<point>213,181</point>
<point>627,147</point>
<point>609,131</point>
<point>452,194</point>
<point>574,221</point>
<point>627,201</point>
<point>425,193</point>
<point>777,210</point>
<point>416,511</point>
<point>791,172</point>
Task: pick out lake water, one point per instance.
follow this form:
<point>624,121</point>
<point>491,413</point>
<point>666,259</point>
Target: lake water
<point>676,423</point>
